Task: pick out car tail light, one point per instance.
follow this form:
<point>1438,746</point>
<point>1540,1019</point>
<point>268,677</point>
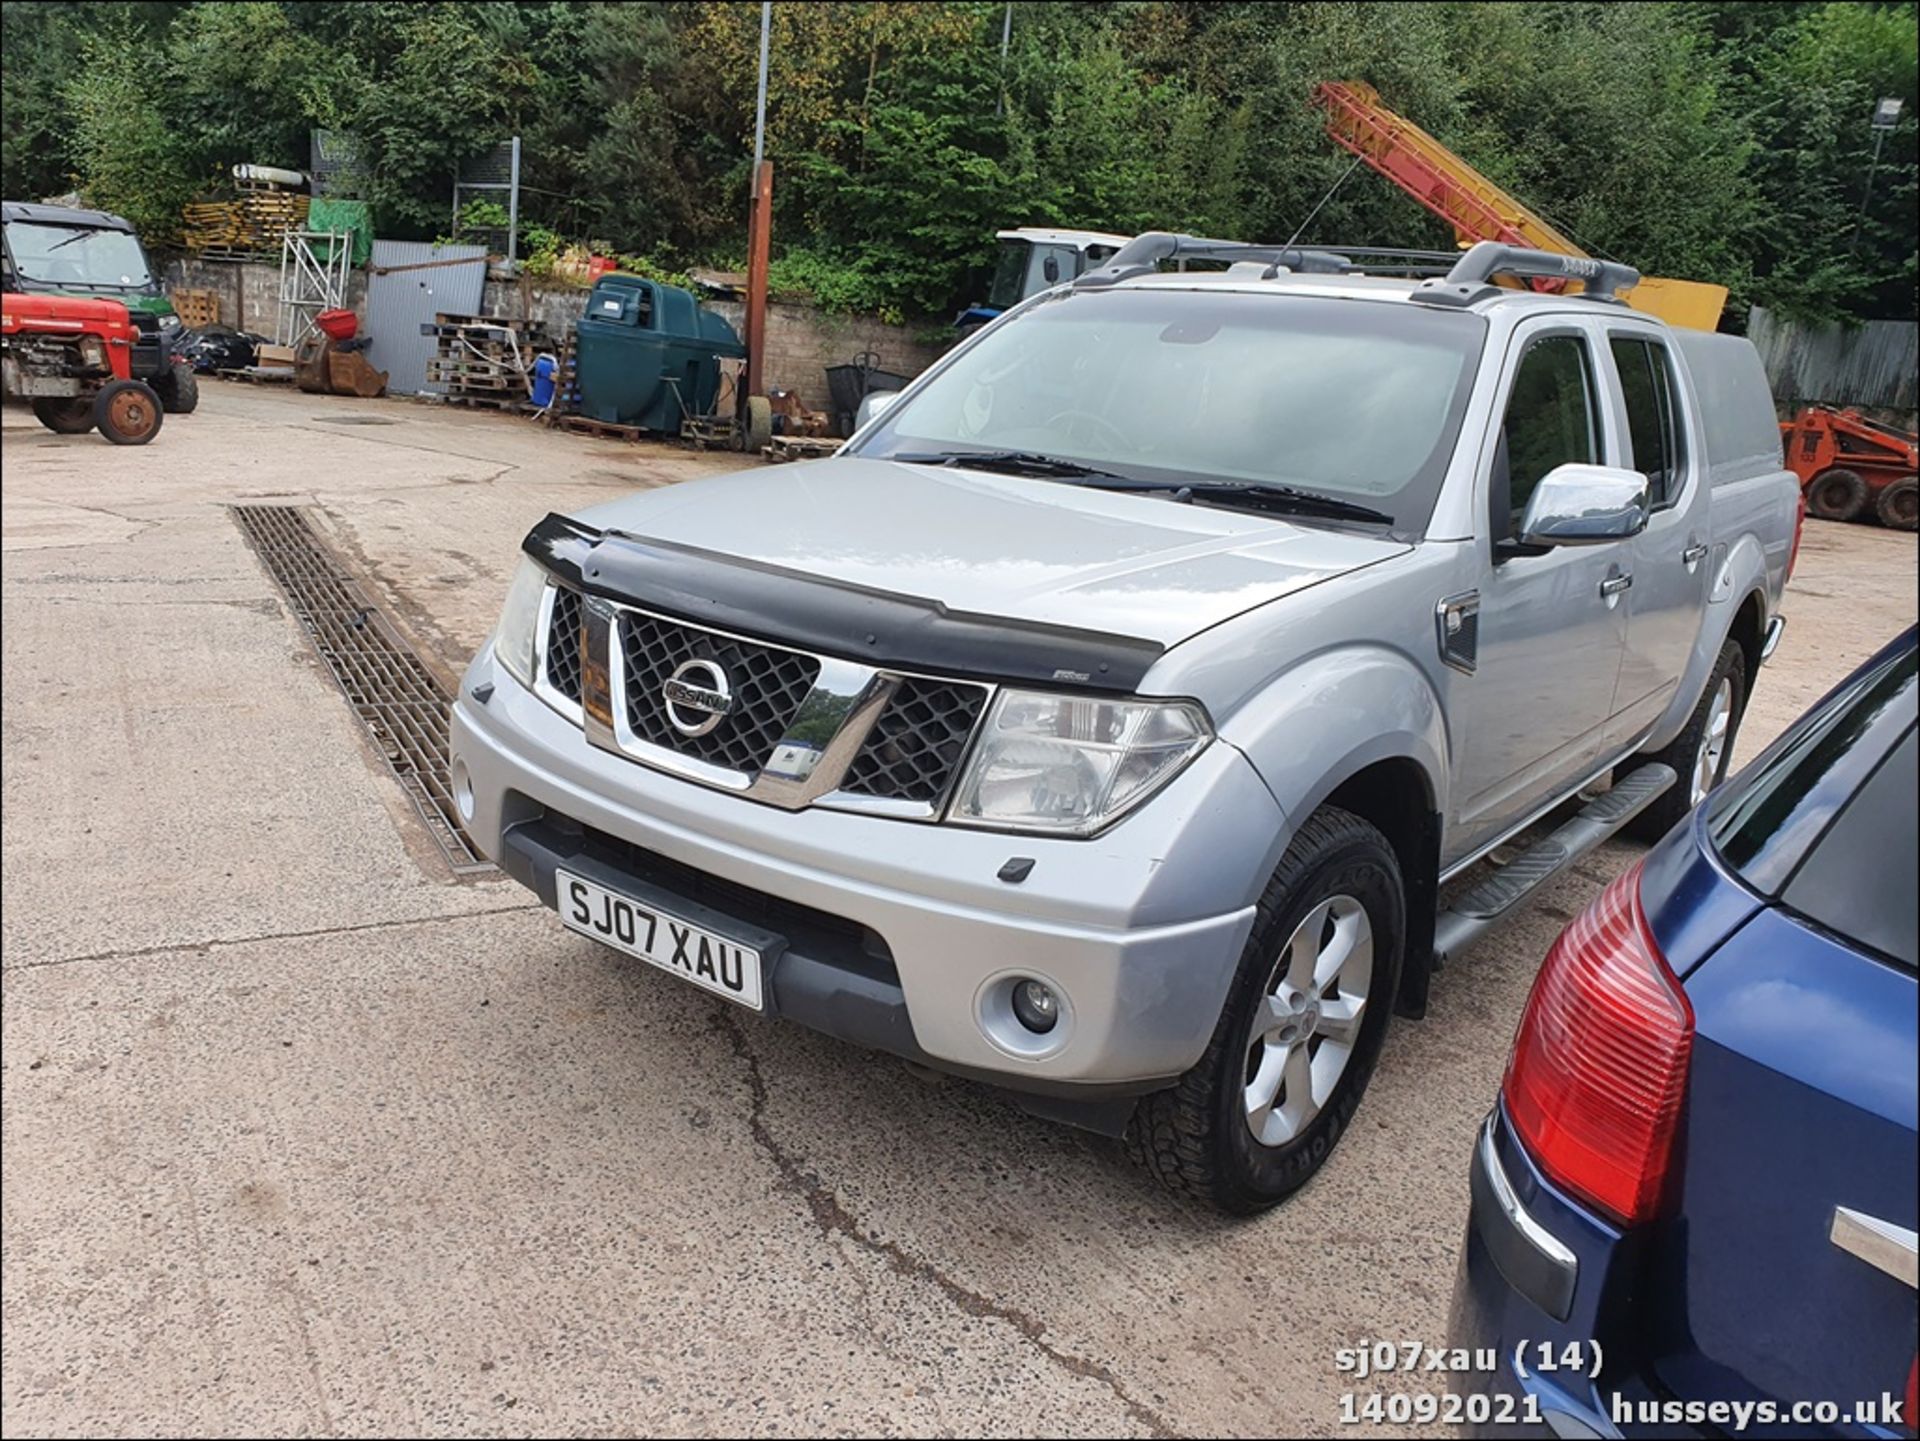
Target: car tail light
<point>1599,1065</point>
<point>1799,527</point>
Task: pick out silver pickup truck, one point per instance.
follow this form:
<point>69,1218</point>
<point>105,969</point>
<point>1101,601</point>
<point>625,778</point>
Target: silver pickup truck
<point>1107,720</point>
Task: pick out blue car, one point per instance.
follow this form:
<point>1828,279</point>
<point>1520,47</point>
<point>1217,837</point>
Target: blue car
<point>1694,1204</point>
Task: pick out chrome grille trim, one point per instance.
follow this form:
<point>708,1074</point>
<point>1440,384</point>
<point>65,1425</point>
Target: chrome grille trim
<point>543,686</point>
<point>845,703</point>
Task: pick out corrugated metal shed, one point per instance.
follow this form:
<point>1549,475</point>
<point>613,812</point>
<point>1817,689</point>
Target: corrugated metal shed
<point>1873,365</point>
<point>408,285</point>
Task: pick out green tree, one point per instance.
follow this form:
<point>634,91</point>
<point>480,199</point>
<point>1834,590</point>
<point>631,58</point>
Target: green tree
<point>1808,88</point>
<point>1703,139</point>
<point>129,159</point>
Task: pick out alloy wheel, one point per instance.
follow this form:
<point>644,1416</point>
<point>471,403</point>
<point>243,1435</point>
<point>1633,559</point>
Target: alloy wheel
<point>1713,743</point>
<point>1308,1021</point>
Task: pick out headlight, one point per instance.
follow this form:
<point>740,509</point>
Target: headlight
<point>169,322</point>
<point>519,619</point>
<point>93,353</point>
<point>1071,765</point>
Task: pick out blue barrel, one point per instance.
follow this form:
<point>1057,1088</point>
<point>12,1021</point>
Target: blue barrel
<point>543,370</point>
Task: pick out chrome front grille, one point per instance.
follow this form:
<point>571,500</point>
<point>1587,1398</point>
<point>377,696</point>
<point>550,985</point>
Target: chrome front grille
<point>768,686</point>
<point>913,750</point>
<point>563,644</point>
<point>798,729</point>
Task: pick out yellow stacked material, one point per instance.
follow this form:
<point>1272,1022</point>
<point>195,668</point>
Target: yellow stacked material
<point>252,225</point>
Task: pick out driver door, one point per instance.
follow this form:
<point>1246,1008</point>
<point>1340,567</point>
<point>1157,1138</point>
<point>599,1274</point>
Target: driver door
<point>1531,720</point>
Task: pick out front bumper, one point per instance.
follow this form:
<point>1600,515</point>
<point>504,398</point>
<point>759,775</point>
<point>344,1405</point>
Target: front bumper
<point>1139,929</point>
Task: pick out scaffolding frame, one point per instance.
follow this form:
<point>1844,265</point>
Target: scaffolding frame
<point>498,169</point>
<point>311,279</point>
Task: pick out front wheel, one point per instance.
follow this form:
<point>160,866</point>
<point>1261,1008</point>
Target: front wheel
<point>127,412</point>
<point>1302,1027</point>
<point>65,415</point>
<point>178,389</point>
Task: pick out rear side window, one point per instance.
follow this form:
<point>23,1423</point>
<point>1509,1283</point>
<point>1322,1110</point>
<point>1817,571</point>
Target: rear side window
<point>1769,819</point>
<point>1857,881</point>
<point>1653,423</point>
<point>1550,422</point>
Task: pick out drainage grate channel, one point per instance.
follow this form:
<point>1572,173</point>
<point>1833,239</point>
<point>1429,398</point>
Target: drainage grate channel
<point>396,697</point>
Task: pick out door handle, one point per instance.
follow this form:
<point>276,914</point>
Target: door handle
<point>1881,1244</point>
<point>1693,554</point>
<point>1614,584</point>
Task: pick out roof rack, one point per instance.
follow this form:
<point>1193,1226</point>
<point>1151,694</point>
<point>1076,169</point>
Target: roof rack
<point>1447,277</point>
<point>1471,278</point>
<point>1142,256</point>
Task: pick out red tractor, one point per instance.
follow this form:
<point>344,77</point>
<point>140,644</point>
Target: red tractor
<point>73,361</point>
<point>1850,466</point>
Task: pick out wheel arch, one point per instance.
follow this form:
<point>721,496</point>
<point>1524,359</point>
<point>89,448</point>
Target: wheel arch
<point>1749,631</point>
<point>1739,605</point>
<point>1363,729</point>
<point>1395,796</point>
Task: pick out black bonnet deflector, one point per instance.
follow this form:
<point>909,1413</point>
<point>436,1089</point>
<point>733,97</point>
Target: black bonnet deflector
<point>816,613</point>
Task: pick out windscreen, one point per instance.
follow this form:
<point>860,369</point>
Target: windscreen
<point>69,256</point>
<point>1766,820</point>
<point>1010,275</point>
<point>1356,399</point>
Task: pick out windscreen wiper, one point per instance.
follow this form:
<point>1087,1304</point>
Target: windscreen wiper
<point>1251,495</point>
<point>1285,499</point>
<point>1247,494</point>
<point>1016,462</point>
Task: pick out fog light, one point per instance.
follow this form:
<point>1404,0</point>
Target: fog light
<point>463,790</point>
<point>1036,1006</point>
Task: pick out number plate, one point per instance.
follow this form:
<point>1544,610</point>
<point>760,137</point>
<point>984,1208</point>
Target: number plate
<point>711,961</point>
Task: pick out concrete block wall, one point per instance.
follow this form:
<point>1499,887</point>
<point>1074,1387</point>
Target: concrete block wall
<point>802,341</point>
<point>249,294</point>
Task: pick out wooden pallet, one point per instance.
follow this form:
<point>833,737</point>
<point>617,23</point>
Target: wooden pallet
<point>483,357</point>
<point>510,404</point>
<point>604,429</point>
<point>196,307</point>
<point>260,374</point>
<point>472,377</point>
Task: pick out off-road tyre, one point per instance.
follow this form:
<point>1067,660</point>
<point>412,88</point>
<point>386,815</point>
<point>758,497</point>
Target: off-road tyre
<point>1899,504</point>
<point>1837,495</point>
<point>178,389</point>
<point>65,415</point>
<point>1195,1138</point>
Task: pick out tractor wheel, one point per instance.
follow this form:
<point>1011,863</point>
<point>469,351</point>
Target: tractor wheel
<point>1837,495</point>
<point>178,389</point>
<point>66,415</point>
<point>127,412</point>
<point>1899,504</point>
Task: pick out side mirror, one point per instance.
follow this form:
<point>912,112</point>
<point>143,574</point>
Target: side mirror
<point>872,404</point>
<point>1585,505</point>
<point>1050,267</point>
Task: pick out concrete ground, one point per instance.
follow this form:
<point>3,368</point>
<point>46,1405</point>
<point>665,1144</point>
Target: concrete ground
<point>303,1136</point>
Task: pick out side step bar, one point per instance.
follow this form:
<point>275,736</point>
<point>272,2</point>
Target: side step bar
<point>1505,893</point>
